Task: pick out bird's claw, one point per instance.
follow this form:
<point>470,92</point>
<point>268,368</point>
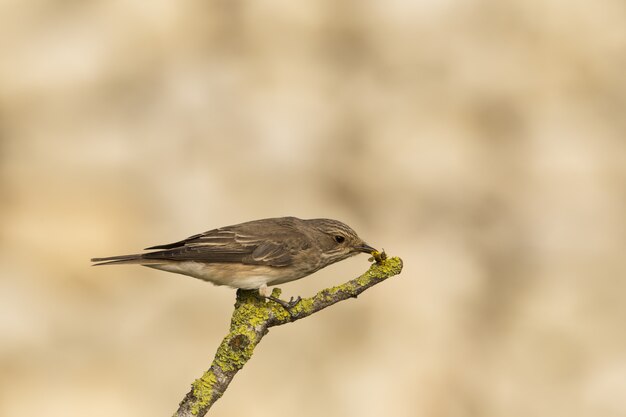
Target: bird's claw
<point>293,303</point>
<point>287,305</point>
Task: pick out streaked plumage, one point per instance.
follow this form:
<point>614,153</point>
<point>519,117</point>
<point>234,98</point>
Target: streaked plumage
<point>254,254</point>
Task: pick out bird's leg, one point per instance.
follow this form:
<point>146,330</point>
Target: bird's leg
<point>287,305</point>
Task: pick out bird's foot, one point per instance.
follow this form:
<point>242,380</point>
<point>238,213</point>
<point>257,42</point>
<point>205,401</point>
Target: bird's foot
<point>287,305</point>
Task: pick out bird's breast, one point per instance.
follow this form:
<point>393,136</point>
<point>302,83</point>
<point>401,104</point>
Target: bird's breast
<point>235,275</point>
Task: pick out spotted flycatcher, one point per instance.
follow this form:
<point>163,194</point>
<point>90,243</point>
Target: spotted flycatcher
<point>255,254</point>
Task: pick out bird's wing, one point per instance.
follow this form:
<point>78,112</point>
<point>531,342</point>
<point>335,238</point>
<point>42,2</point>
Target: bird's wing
<point>233,245</point>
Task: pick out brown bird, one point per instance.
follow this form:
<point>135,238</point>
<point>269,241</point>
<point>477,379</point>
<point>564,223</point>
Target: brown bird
<point>255,254</point>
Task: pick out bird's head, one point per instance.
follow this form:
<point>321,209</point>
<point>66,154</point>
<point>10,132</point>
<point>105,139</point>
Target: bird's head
<point>337,240</point>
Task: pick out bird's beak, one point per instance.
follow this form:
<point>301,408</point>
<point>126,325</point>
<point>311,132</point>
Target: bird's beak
<point>365,248</point>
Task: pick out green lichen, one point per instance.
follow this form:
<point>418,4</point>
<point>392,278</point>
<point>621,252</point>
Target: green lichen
<point>233,355</point>
<point>305,306</point>
<point>384,269</point>
<point>203,391</point>
<point>247,323</point>
<point>391,266</point>
<point>249,315</point>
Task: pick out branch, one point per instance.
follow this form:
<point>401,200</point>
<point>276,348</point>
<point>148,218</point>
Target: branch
<point>252,318</point>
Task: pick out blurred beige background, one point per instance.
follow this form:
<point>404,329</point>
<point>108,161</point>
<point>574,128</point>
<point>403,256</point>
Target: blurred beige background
<point>483,142</point>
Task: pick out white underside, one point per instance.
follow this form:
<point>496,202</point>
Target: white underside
<point>247,277</point>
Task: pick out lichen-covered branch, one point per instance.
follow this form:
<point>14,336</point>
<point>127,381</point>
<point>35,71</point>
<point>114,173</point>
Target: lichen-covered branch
<point>252,318</point>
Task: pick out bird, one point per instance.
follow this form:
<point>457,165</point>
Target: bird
<point>254,255</point>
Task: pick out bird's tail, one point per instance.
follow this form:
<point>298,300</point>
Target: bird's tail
<point>122,259</point>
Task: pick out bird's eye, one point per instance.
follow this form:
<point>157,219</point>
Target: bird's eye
<point>339,239</point>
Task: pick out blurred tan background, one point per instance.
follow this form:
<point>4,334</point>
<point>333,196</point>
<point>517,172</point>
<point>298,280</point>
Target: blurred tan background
<point>483,142</point>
